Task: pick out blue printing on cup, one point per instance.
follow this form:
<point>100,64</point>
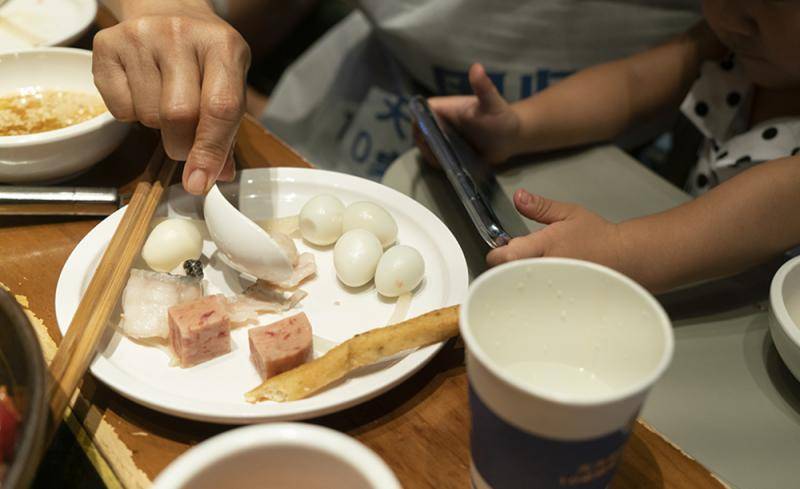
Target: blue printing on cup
<point>509,458</point>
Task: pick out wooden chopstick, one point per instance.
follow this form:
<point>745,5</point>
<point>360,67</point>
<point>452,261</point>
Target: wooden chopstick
<point>100,299</point>
<point>104,268</point>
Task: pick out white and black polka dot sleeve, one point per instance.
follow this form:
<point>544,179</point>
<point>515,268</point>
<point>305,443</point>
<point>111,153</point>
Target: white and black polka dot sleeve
<point>718,104</point>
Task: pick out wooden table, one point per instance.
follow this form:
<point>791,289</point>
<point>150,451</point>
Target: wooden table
<point>421,428</point>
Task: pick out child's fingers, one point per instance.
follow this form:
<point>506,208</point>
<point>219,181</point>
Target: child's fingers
<point>489,98</point>
<point>530,246</point>
<point>540,209</point>
<point>450,108</point>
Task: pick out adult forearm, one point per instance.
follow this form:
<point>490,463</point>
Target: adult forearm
<point>601,102</point>
<point>265,23</point>
<point>743,222</point>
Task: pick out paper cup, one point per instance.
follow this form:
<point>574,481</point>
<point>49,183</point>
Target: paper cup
<point>560,356</point>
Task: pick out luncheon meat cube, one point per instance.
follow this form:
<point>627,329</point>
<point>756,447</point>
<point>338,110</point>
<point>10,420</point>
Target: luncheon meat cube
<point>199,330</point>
<point>280,346</point>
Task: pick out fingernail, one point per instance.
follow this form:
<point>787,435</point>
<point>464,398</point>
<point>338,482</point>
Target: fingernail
<point>524,197</point>
<point>197,182</point>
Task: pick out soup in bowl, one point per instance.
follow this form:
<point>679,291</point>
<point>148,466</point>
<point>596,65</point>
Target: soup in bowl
<point>53,123</point>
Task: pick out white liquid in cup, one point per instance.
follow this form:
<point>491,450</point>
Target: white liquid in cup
<point>584,334</point>
<point>559,378</point>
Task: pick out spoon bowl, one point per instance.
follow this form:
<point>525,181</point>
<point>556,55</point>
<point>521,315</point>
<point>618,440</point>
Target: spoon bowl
<point>242,243</point>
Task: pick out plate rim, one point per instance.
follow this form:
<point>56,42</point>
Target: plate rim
<point>145,395</point>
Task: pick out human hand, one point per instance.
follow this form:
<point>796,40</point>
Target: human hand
<point>180,69</point>
<point>572,232</point>
<point>485,120</point>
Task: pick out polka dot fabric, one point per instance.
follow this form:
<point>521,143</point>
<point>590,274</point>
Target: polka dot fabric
<point>719,105</point>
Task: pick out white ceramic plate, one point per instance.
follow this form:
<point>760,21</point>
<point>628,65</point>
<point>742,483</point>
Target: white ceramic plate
<point>34,23</point>
<point>213,391</point>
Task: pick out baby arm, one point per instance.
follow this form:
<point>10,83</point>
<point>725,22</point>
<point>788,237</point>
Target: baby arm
<point>595,104</point>
<point>744,221</point>
<point>601,102</point>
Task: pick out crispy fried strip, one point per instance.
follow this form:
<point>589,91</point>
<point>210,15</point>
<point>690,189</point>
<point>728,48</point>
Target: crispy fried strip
<point>359,351</point>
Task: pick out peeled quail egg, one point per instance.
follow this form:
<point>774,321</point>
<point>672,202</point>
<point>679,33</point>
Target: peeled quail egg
<point>171,243</point>
<point>356,256</point>
<point>399,271</point>
<point>321,220</point>
<point>373,218</point>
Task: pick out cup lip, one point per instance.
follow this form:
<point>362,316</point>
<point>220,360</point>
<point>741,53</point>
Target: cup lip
<point>474,348</point>
<point>312,437</point>
<point>777,303</point>
<point>64,133</point>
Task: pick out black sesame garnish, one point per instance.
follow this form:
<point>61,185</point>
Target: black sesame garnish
<point>193,268</point>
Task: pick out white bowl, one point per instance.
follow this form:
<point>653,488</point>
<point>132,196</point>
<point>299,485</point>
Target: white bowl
<point>784,317</point>
<point>54,155</point>
<point>29,23</point>
<point>278,456</point>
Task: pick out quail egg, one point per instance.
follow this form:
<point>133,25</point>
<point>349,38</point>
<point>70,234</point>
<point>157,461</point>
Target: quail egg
<point>171,243</point>
<point>356,256</point>
<point>399,271</point>
<point>321,220</point>
<point>373,218</point>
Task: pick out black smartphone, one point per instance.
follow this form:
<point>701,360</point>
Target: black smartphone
<point>473,179</point>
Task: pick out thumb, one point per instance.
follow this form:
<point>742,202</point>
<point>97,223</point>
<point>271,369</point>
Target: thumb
<point>540,209</point>
<point>489,99</point>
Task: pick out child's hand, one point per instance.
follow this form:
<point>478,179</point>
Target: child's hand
<point>572,232</point>
<point>485,119</point>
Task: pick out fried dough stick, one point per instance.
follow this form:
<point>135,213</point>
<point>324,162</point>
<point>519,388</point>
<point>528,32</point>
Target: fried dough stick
<point>359,351</point>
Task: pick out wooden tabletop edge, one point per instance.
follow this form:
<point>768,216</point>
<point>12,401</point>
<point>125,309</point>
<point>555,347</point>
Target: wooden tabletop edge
<point>88,441</point>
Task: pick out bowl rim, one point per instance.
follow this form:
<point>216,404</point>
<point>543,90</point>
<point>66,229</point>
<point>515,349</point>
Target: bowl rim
<point>80,28</point>
<point>305,435</point>
<point>777,303</point>
<point>63,133</point>
<point>474,348</point>
<point>30,446</point>
<point>91,14</point>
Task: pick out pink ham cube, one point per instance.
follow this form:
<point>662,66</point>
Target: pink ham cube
<point>280,346</point>
<point>199,330</point>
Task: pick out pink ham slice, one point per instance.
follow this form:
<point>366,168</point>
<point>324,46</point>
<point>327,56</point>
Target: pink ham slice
<point>199,330</point>
<point>281,346</point>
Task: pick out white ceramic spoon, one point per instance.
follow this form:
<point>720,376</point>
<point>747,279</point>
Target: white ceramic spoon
<point>245,246</point>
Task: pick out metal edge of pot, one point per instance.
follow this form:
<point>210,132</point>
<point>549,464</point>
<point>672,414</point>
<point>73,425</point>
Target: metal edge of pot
<point>30,446</point>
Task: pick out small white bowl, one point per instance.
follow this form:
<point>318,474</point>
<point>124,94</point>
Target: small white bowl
<point>784,317</point>
<point>278,456</point>
<point>31,23</point>
<point>54,155</point>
